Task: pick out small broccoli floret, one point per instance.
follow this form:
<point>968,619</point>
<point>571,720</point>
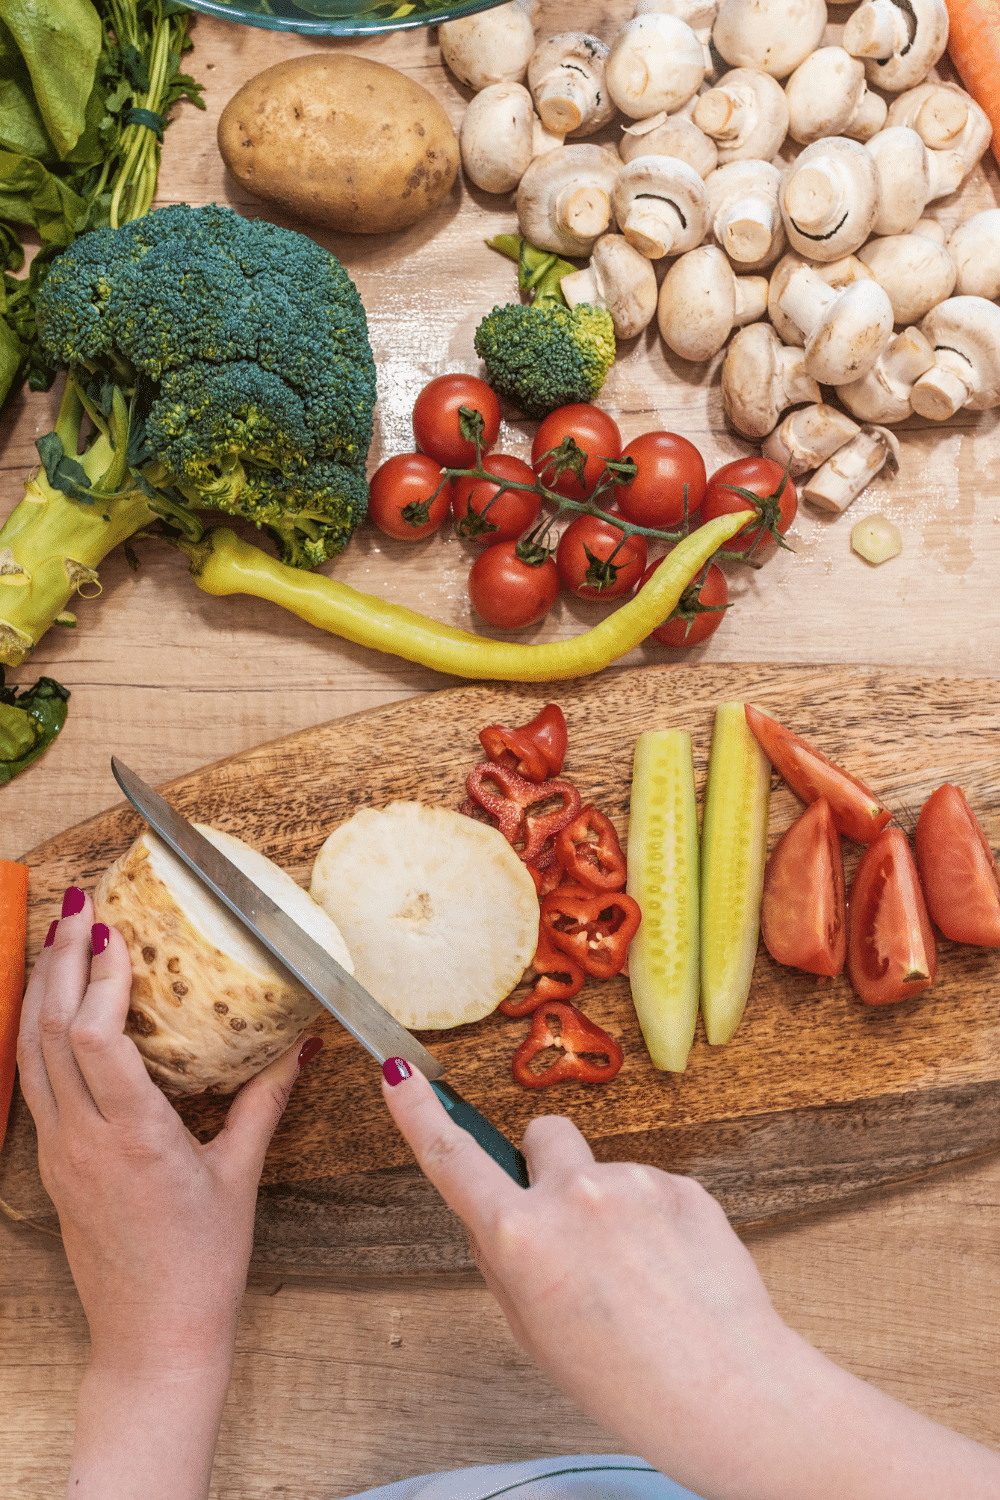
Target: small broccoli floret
<point>310,515</point>
<point>542,354</point>
<point>544,357</point>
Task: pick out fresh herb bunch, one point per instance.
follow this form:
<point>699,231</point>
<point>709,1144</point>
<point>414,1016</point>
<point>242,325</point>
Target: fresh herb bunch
<point>88,86</point>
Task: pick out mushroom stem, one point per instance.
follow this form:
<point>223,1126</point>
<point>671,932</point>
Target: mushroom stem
<point>746,229</point>
<point>583,209</point>
<point>945,388</point>
<point>839,481</point>
<point>878,28</point>
<point>652,226</point>
<point>807,437</point>
<point>815,196</point>
<point>563,99</point>
<point>883,395</point>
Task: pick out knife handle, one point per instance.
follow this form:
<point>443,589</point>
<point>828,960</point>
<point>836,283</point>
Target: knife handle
<point>486,1135</point>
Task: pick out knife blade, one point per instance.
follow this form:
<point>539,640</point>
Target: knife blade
<point>342,995</point>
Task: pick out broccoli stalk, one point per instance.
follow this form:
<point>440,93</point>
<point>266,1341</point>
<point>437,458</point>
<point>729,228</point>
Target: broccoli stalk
<point>543,354</point>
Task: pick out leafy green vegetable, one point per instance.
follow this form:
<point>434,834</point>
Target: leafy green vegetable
<point>30,719</point>
<point>86,90</point>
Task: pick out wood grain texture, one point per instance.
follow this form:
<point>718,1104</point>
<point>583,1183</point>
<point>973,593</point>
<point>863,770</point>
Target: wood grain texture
<point>817,1098</point>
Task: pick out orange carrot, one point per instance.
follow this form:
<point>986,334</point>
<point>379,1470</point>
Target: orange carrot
<point>974,48</point>
<point>13,924</point>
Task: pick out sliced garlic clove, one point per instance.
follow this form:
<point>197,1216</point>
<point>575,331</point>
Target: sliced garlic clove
<point>876,539</point>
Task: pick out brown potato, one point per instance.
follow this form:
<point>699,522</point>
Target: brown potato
<point>340,141</point>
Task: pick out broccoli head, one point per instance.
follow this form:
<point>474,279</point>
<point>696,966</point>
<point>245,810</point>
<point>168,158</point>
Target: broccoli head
<point>242,352</point>
<point>543,354</point>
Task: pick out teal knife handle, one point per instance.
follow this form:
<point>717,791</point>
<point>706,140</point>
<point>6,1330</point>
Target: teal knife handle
<point>488,1136</point>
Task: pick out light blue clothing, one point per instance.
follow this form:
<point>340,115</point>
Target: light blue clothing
<point>582,1476</point>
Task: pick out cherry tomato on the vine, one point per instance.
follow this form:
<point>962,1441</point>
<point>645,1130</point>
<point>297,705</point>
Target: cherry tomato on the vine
<point>763,478</point>
<point>400,496</point>
<point>486,512</point>
<point>667,463</point>
<point>436,418</point>
<point>699,611</point>
<point>508,592</point>
<point>592,430</point>
<point>586,565</point>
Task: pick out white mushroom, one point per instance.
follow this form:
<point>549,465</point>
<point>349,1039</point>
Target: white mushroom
<point>808,437</point>
<point>836,273</point>
<point>827,95</point>
<point>745,114</point>
<point>496,137</point>
<point>618,278</point>
<point>773,35</point>
<point>909,177</point>
<point>656,63</point>
<point>914,269</point>
<point>746,220</point>
<point>830,198</point>
<point>492,46</point>
<point>964,333</point>
<point>564,198</point>
<point>661,205</point>
<point>975,248</point>
<point>701,301</point>
<point>698,14</point>
<point>899,40</point>
<point>566,79</point>
<point>839,481</point>
<point>846,328</point>
<point>761,378</point>
<point>946,118</point>
<point>670,135</point>
<point>883,395</point>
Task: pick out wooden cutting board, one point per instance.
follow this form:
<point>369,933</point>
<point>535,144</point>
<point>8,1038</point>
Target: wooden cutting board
<point>817,1098</point>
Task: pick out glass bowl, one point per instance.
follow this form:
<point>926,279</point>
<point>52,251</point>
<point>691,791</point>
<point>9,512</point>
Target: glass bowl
<point>339,17</point>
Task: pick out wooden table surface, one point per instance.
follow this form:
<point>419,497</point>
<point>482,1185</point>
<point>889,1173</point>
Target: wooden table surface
<point>338,1387</point>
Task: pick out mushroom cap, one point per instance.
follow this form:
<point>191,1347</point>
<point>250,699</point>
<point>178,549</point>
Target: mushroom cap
<point>975,248</point>
<point>698,14</point>
<point>661,205</point>
<point>898,49</point>
<point>808,437</point>
<point>495,137</point>
<point>576,59</point>
<point>773,35</point>
<point>823,94</point>
<point>655,63</point>
<point>746,114</point>
<point>761,379</point>
<point>945,117</point>
<point>564,197</point>
<point>965,335</point>
<point>697,304</point>
<point>830,198</point>
<point>492,46</point>
<point>904,178</point>
<point>916,272</point>
<point>620,279</point>
<point>850,333</point>
<point>669,135</point>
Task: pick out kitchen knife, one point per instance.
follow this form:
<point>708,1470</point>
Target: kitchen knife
<point>367,1021</point>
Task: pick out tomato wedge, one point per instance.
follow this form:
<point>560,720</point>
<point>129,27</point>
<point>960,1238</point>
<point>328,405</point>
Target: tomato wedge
<point>891,950</point>
<point>803,914</point>
<point>857,812</point>
<point>957,869</point>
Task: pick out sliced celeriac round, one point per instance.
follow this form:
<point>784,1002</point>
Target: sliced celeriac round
<point>440,914</point>
<point>209,1006</point>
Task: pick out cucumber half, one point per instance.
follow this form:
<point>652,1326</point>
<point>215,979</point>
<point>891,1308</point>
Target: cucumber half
<point>733,856</point>
<point>663,877</point>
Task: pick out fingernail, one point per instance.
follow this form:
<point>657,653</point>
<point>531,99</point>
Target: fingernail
<point>50,936</point>
<point>100,936</point>
<point>309,1050</point>
<point>394,1070</point>
<point>73,901</point>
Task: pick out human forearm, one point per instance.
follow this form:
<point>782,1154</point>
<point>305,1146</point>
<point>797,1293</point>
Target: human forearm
<point>146,1437</point>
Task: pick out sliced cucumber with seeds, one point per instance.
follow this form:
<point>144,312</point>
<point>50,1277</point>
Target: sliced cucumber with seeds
<point>733,856</point>
<point>663,878</point>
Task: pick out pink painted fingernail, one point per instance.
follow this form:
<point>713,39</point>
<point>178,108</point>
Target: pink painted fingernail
<point>100,936</point>
<point>50,936</point>
<point>73,901</point>
<point>309,1050</point>
<point>395,1070</point>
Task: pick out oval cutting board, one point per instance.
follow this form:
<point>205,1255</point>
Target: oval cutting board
<point>817,1098</point>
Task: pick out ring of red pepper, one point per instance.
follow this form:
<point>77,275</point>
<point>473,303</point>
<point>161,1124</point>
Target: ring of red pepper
<point>586,921</point>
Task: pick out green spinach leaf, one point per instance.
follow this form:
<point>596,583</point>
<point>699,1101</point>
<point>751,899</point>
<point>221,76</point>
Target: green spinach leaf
<point>30,719</point>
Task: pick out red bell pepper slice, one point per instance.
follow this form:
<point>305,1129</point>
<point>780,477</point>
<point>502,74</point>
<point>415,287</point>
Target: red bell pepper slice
<point>536,750</point>
<point>546,869</point>
<point>513,801</point>
<point>564,1044</point>
<point>559,977</point>
<point>590,851</point>
<point>594,928</point>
